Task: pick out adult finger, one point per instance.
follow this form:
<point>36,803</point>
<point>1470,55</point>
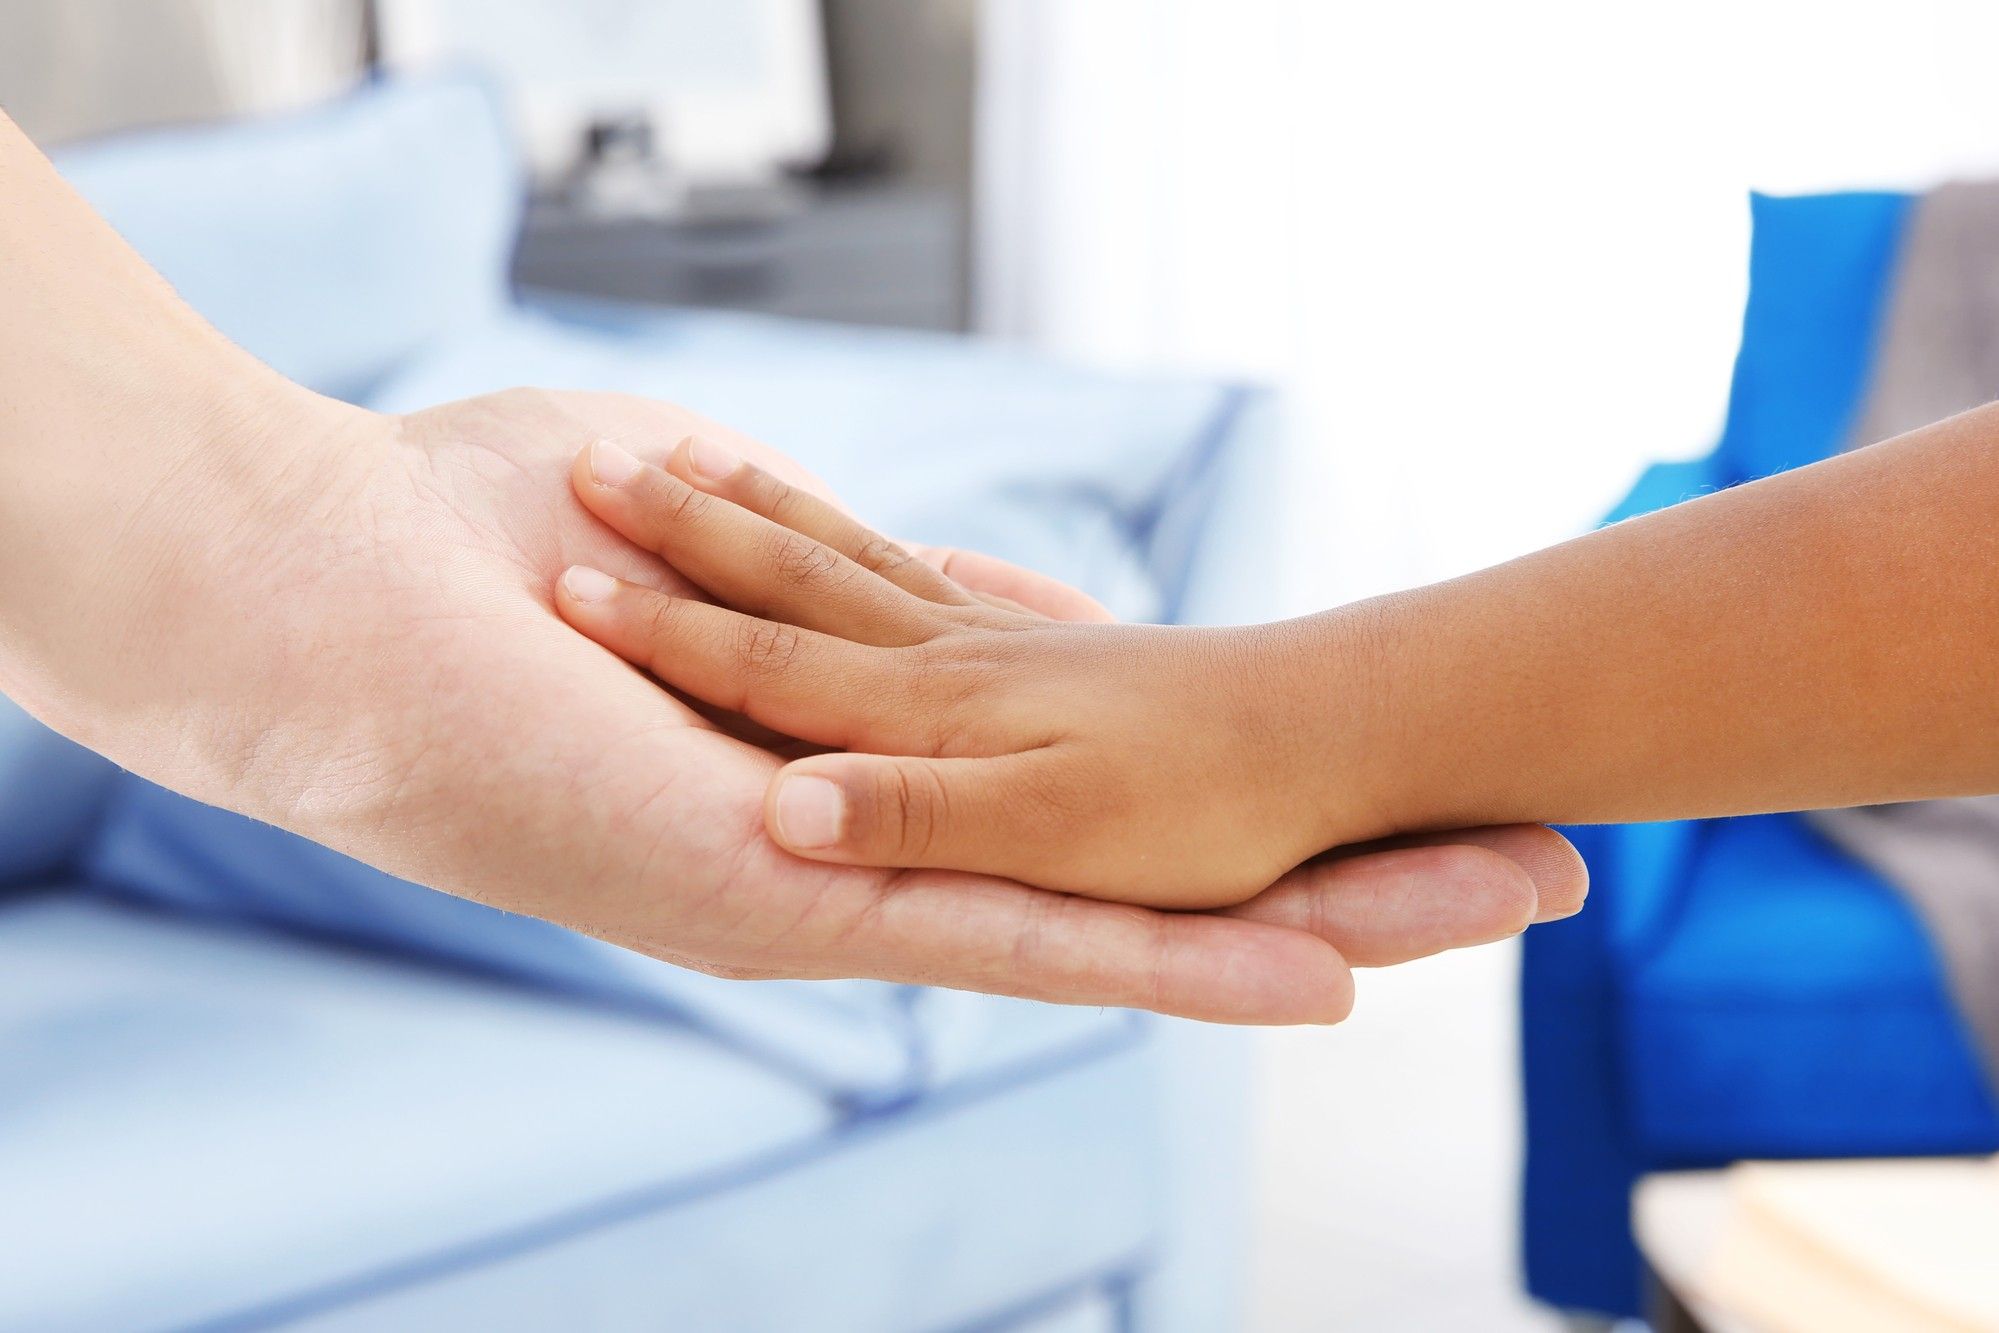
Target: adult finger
<point>974,933</point>
<point>1394,903</point>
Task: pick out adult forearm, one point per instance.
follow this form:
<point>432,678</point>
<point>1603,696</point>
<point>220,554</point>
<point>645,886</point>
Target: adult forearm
<point>89,334</point>
<point>122,414</point>
<point>1826,637</point>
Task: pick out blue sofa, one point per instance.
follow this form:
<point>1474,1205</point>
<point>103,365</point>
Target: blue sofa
<point>247,1083</point>
<point>1739,988</point>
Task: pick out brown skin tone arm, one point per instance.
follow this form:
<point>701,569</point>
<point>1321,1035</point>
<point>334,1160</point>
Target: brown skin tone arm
<point>1827,637</point>
<point>1822,638</point>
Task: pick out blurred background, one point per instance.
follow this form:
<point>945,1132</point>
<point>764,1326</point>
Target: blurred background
<point>1467,269</point>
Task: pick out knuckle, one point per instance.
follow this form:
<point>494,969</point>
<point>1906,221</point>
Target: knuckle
<point>657,618</point>
<point>778,501</point>
<point>681,504</point>
<point>916,808</point>
<point>956,727</point>
<point>1027,956</point>
<point>951,733</point>
<point>766,647</point>
<point>955,682</point>
<point>955,668</point>
<point>800,561</point>
<point>879,555</point>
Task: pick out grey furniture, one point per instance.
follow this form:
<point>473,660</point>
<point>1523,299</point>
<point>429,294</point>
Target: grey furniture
<point>881,254</point>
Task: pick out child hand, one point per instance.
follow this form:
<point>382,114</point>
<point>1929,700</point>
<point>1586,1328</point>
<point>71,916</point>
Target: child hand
<point>1140,763</point>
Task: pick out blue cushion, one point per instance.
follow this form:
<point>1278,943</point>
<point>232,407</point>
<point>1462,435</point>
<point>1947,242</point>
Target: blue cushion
<point>51,792</point>
<point>208,1125</point>
<point>1795,1008</point>
<point>1818,283</point>
<point>860,1043</point>
<point>935,439</point>
<point>1215,550</point>
<point>331,242</point>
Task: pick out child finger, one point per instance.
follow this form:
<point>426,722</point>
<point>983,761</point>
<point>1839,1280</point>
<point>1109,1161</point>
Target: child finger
<point>719,471</point>
<point>885,810</point>
<point>988,577</point>
<point>813,686</point>
<point>743,558</point>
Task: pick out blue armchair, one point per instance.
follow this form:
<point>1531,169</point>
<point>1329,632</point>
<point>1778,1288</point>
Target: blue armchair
<point>1739,988</point>
<point>245,1082</point>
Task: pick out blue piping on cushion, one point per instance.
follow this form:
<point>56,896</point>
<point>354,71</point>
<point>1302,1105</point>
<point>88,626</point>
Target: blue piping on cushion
<point>845,1101</point>
<point>1113,1284</point>
<point>1196,475</point>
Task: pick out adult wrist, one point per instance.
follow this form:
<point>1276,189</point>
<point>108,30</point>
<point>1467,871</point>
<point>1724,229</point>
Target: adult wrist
<point>120,537</point>
<point>156,485</point>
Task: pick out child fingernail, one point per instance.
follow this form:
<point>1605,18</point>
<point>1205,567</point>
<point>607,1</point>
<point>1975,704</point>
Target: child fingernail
<point>710,461</point>
<point>588,585</point>
<point>809,812</point>
<point>612,466</point>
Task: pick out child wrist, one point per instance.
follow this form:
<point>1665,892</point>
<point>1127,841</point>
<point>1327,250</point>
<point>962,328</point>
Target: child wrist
<point>1366,738</point>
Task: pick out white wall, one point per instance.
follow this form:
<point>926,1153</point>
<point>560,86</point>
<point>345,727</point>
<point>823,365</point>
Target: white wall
<point>1496,250</point>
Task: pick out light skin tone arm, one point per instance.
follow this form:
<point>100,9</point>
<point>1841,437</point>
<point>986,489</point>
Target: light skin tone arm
<point>340,622</point>
<point>1827,637</point>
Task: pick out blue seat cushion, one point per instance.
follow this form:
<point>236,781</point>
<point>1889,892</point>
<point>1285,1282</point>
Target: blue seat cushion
<point>212,1126</point>
<point>1793,1007</point>
<point>857,1042</point>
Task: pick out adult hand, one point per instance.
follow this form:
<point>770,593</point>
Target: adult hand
<point>341,623</point>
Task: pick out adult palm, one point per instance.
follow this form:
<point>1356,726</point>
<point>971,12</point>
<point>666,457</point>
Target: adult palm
<point>348,631</point>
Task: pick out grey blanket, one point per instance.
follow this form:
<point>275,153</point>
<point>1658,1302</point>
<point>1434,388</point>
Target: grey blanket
<point>1938,355</point>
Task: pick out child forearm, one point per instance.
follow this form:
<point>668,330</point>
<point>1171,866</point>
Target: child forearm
<point>1826,637</point>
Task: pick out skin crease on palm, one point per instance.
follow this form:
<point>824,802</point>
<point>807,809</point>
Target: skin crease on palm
<point>342,623</point>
